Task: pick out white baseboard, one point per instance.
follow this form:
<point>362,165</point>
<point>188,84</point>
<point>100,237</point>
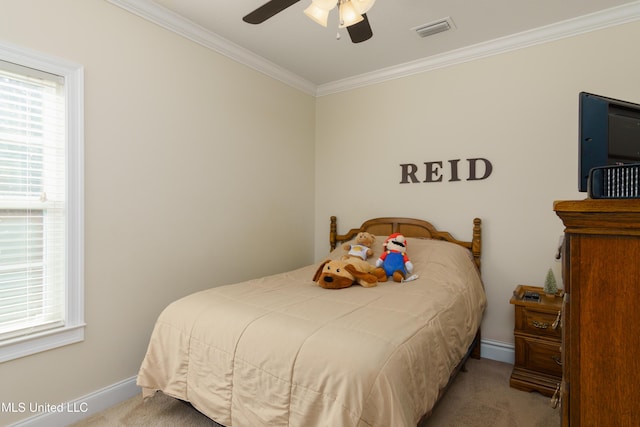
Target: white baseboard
<point>102,399</point>
<point>84,407</point>
<point>497,350</point>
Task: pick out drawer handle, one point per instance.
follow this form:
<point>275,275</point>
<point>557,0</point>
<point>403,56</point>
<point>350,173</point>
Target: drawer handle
<point>557,321</point>
<point>557,360</point>
<point>555,399</point>
<point>539,325</point>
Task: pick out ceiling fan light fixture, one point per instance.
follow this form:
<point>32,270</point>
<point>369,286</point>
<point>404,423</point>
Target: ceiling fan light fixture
<point>356,23</point>
<point>363,6</point>
<point>348,14</point>
<point>317,14</point>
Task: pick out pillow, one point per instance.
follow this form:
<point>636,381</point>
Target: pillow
<point>428,256</point>
<point>414,245</point>
<point>423,251</point>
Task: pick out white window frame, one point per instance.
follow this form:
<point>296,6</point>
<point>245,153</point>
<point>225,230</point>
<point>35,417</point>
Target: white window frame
<point>73,329</point>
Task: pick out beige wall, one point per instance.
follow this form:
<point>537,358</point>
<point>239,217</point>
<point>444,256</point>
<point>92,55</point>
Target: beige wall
<point>518,109</point>
<point>195,165</point>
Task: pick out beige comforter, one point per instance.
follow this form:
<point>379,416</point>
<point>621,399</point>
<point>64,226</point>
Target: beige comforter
<point>281,351</point>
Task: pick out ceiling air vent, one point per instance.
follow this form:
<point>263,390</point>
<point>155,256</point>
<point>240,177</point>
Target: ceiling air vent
<point>435,27</point>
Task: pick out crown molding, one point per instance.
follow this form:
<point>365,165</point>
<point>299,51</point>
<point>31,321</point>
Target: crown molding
<point>596,21</point>
<point>169,20</point>
<point>569,28</point>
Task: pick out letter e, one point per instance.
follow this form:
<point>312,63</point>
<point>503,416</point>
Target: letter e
<point>433,172</point>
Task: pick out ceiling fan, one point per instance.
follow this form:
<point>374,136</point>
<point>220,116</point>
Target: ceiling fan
<point>352,14</point>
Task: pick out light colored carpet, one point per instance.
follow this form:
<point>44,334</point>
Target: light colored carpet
<point>480,397</point>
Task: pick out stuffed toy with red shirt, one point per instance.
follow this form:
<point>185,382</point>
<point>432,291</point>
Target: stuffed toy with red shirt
<point>394,260</point>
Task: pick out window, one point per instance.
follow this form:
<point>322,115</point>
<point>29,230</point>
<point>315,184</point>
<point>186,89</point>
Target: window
<point>41,206</point>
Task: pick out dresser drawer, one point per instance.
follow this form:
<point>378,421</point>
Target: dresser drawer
<point>541,355</point>
<point>536,322</point>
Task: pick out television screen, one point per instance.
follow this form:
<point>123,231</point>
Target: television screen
<point>624,137</point>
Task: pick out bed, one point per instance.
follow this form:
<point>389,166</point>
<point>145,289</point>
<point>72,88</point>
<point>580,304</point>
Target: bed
<point>282,351</point>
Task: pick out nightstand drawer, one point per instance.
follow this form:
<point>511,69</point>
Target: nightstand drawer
<point>540,323</point>
<point>541,355</point>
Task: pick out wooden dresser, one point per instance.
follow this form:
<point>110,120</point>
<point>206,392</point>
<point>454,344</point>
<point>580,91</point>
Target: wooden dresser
<point>538,337</point>
<point>601,317</point>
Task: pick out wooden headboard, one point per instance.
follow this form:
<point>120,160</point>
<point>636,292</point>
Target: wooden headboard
<point>410,227</point>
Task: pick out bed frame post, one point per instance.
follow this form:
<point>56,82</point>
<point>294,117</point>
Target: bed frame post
<point>476,242</point>
<point>476,247</point>
<point>333,232</point>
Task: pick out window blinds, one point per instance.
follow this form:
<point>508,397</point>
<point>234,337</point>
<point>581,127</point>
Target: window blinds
<point>32,201</point>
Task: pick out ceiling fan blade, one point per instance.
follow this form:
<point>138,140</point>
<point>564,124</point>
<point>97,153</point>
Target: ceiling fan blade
<point>361,31</point>
<point>267,10</point>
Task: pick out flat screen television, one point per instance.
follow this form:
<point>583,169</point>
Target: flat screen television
<point>609,132</point>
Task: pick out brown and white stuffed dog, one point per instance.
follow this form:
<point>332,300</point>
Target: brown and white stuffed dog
<point>338,274</point>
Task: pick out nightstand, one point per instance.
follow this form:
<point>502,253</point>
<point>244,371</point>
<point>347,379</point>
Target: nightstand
<point>538,341</point>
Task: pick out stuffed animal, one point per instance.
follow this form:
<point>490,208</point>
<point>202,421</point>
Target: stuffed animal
<point>338,274</point>
<point>359,252</point>
<point>394,260</point>
<point>363,266</point>
<point>362,246</point>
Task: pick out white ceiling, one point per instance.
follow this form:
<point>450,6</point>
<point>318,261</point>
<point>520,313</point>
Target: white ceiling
<point>294,49</point>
